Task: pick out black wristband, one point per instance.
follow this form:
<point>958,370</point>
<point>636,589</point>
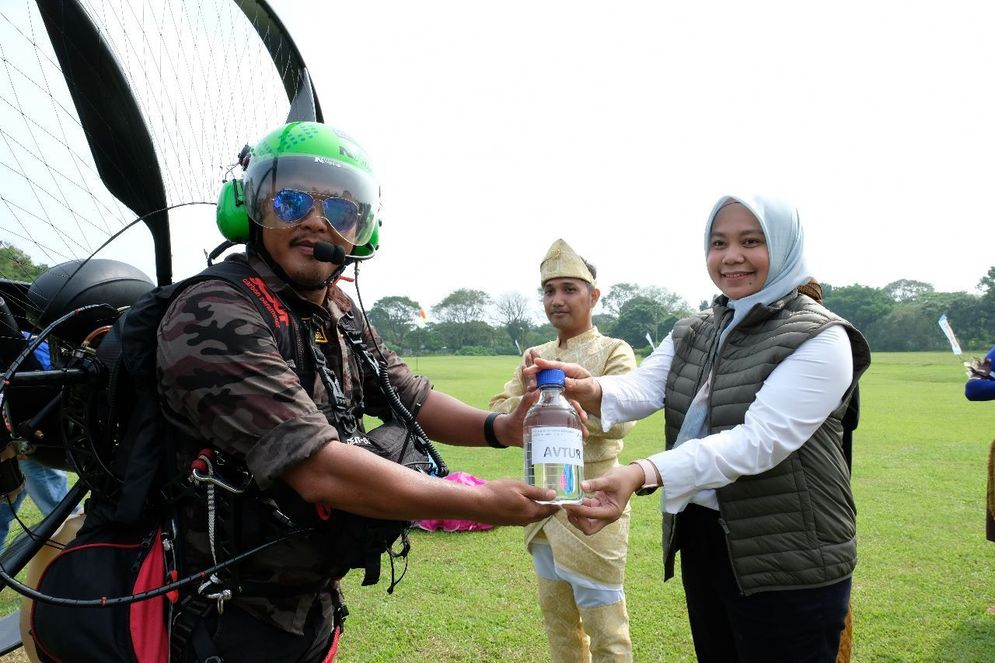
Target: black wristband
<point>489,435</point>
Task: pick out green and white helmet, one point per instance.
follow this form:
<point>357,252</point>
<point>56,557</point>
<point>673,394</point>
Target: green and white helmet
<point>302,165</point>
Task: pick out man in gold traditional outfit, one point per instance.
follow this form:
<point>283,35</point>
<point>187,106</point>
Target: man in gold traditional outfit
<point>580,577</point>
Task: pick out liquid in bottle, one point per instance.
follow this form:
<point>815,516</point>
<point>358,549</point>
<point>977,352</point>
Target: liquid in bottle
<point>554,443</point>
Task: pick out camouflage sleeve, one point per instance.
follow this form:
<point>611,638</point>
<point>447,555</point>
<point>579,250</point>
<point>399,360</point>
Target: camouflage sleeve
<point>222,379</point>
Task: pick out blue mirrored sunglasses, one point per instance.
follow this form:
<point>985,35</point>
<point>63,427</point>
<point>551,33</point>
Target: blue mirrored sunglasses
<point>291,206</point>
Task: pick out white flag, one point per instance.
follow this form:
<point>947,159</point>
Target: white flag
<point>945,326</point>
<point>517,346</point>
<point>650,340</point>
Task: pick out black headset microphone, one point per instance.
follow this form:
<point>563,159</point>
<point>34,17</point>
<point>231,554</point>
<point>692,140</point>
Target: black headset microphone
<point>328,252</point>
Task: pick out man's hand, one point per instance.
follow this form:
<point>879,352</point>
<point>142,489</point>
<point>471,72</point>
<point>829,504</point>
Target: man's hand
<point>578,385</point>
<point>510,428</point>
<point>979,368</point>
<point>609,494</point>
<point>507,502</point>
<point>355,480</point>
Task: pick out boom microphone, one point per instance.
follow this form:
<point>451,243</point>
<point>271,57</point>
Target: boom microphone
<point>328,252</point>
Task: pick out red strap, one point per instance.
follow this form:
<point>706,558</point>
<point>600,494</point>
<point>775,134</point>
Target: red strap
<point>148,632</point>
<point>335,645</point>
<point>174,595</point>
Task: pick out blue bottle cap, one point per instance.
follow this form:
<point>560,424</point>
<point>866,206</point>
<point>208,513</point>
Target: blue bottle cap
<point>550,377</point>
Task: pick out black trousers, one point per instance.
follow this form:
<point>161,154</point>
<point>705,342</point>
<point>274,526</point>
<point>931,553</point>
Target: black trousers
<point>792,626</point>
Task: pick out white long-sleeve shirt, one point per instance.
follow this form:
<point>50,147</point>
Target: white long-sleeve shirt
<point>793,402</point>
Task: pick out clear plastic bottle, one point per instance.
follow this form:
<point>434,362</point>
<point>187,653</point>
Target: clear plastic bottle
<point>554,443</point>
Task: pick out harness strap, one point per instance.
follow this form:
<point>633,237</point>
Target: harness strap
<point>353,336</point>
<point>203,645</point>
<point>344,418</point>
<point>190,634</point>
<point>189,631</point>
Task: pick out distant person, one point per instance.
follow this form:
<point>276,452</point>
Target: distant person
<point>755,489</point>
<point>45,486</point>
<point>580,578</point>
<point>980,386</point>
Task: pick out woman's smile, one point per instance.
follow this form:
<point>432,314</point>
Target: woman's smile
<point>737,257</point>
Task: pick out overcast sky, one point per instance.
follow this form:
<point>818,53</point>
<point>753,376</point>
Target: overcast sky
<point>498,127</point>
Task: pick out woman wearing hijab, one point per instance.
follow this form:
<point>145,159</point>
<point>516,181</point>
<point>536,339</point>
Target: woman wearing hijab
<point>755,489</point>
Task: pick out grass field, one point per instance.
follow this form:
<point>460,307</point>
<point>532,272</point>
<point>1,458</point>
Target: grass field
<point>924,580</point>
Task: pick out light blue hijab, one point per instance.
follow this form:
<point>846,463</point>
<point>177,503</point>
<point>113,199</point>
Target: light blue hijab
<point>787,270</point>
<point>785,250</point>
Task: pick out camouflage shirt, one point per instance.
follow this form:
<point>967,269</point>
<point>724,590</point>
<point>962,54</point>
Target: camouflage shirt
<point>223,380</point>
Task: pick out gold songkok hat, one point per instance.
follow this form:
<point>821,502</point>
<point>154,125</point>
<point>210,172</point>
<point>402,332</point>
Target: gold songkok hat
<point>562,262</point>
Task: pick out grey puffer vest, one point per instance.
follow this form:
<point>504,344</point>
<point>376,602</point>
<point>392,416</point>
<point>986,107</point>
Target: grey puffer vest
<point>793,526</point>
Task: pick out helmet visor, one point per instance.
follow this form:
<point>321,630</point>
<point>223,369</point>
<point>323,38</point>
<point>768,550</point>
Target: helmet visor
<point>282,191</point>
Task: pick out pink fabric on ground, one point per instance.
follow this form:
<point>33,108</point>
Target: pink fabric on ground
<point>435,524</point>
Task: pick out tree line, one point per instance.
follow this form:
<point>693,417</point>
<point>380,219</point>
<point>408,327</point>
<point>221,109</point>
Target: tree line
<point>902,316</point>
<point>16,265</point>
<point>471,322</point>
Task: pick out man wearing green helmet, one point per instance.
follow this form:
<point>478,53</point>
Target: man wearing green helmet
<point>292,170</point>
<point>306,207</point>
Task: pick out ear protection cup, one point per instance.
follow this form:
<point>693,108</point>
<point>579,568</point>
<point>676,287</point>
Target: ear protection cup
<point>232,214</point>
<point>369,249</point>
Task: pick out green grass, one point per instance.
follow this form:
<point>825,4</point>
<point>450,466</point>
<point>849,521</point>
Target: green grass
<point>924,578</point>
